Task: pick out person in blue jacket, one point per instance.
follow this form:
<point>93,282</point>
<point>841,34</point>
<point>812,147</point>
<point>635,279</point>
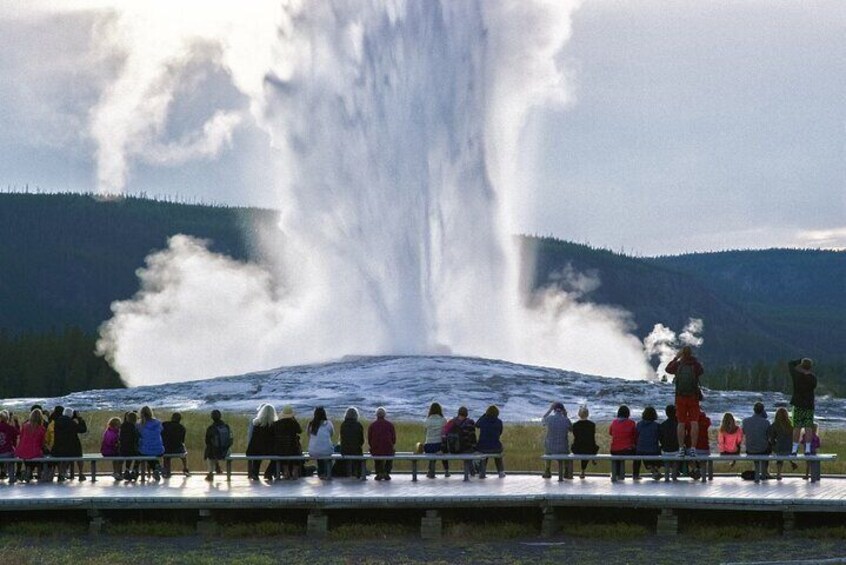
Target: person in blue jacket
<point>648,433</point>
<point>150,441</point>
<point>490,431</point>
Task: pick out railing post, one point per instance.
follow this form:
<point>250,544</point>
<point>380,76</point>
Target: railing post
<point>206,525</point>
<point>317,524</point>
<point>549,525</point>
<point>95,522</point>
<point>668,523</point>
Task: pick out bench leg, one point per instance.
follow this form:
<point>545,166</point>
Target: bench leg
<point>483,468</point>
<point>93,471</point>
<point>431,525</point>
<point>667,465</point>
<point>788,523</point>
<point>229,471</point>
<point>710,470</point>
<point>467,464</point>
<point>815,471</point>
<point>414,470</point>
<point>758,471</point>
<point>560,471</point>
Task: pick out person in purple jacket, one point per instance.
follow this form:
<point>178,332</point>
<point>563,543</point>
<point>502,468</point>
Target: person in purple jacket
<point>490,431</point>
<point>110,446</point>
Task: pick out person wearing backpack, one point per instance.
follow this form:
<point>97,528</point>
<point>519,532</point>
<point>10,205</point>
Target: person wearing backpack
<point>460,433</point>
<point>218,443</point>
<point>687,369</point>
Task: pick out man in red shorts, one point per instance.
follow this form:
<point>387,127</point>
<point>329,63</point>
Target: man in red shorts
<point>687,370</point>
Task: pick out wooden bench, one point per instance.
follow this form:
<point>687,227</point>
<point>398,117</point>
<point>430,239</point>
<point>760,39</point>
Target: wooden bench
<point>565,462</point>
<point>91,458</point>
<point>414,458</point>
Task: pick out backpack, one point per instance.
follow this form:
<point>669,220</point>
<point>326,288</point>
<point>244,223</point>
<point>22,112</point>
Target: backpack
<point>453,439</point>
<point>685,381</point>
<point>222,439</point>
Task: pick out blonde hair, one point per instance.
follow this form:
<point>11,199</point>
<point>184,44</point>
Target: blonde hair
<point>4,416</point>
<point>36,418</point>
<point>266,416</point>
<point>146,414</point>
<point>113,422</point>
<point>584,413</point>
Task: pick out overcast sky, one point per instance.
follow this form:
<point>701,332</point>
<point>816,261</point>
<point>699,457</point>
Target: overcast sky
<point>694,126</point>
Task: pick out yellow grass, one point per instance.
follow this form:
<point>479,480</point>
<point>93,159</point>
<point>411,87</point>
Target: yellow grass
<point>523,442</point>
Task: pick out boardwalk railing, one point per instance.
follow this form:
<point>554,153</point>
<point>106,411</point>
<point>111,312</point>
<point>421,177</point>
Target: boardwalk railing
<point>670,462</point>
<point>414,458</point>
<point>91,458</point>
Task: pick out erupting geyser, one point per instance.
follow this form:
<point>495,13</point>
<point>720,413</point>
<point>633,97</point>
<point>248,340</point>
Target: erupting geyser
<point>395,129</point>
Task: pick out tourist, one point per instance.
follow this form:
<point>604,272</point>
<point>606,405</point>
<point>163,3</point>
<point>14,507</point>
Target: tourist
<point>382,437</point>
<point>352,442</point>
<point>811,439</point>
<point>251,420</point>
<point>729,437</point>
<point>286,434</point>
<point>434,442</point>
<point>557,440</point>
<point>320,446</point>
<point>262,442</point>
<point>584,438</point>
<point>623,432</point>
<point>150,441</point>
<point>218,443</point>
<point>110,446</point>
<point>31,442</point>
<point>802,400</point>
<point>129,439</point>
<point>66,442</point>
<point>173,439</point>
<point>687,370</point>
<point>698,445</point>
<point>490,432</point>
<point>8,440</point>
<point>460,435</point>
<point>647,443</point>
<point>668,437</point>
<point>781,436</point>
<point>756,431</point>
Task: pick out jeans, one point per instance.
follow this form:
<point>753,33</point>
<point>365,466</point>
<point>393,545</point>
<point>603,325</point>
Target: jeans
<point>383,466</point>
<point>435,448</point>
<point>483,464</point>
<point>618,468</point>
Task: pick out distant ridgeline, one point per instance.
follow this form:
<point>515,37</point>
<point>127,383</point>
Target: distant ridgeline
<point>64,258</point>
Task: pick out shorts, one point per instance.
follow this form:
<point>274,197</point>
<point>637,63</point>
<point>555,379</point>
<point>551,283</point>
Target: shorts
<point>687,409</point>
<point>802,417</point>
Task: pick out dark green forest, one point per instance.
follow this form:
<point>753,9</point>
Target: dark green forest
<point>64,258</point>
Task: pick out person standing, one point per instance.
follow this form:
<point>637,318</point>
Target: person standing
<point>802,400</point>
<point>381,437</point>
<point>687,370</point>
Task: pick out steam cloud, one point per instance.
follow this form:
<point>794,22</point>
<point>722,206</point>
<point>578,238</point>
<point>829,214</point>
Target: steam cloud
<point>663,343</point>
<point>395,126</point>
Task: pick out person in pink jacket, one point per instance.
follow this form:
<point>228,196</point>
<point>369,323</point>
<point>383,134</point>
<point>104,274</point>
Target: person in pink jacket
<point>729,437</point>
<point>110,446</point>
<point>31,442</point>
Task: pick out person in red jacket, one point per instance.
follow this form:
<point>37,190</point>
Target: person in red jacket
<point>381,436</point>
<point>623,432</point>
<point>687,370</point>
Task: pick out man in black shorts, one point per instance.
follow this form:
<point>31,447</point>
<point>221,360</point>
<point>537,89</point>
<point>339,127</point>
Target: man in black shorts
<point>804,383</point>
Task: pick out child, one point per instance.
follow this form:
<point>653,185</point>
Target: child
<point>110,446</point>
<point>129,446</point>
<point>557,442</point>
<point>812,445</point>
<point>781,437</point>
<point>218,442</point>
<point>173,438</point>
<point>729,437</point>
<point>647,442</point>
<point>623,433</point>
<point>584,438</point>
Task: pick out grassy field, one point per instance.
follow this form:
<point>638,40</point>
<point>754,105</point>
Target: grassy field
<point>523,442</point>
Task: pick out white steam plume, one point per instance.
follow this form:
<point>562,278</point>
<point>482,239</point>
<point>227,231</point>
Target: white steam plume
<point>662,342</point>
<point>395,126</point>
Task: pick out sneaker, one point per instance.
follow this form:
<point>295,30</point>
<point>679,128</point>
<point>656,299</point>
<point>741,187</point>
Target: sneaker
<point>186,472</point>
<point>656,474</point>
<point>502,475</point>
<point>547,475</point>
<point>682,452</point>
<point>387,477</point>
<point>157,476</point>
<point>582,475</point>
<point>81,478</point>
<point>210,477</point>
<point>430,475</point>
<point>691,452</point>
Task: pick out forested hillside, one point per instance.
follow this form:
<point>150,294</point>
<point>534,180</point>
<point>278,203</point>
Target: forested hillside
<point>65,258</point>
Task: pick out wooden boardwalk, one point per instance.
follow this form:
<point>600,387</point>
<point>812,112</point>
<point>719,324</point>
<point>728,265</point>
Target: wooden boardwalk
<point>790,495</point>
